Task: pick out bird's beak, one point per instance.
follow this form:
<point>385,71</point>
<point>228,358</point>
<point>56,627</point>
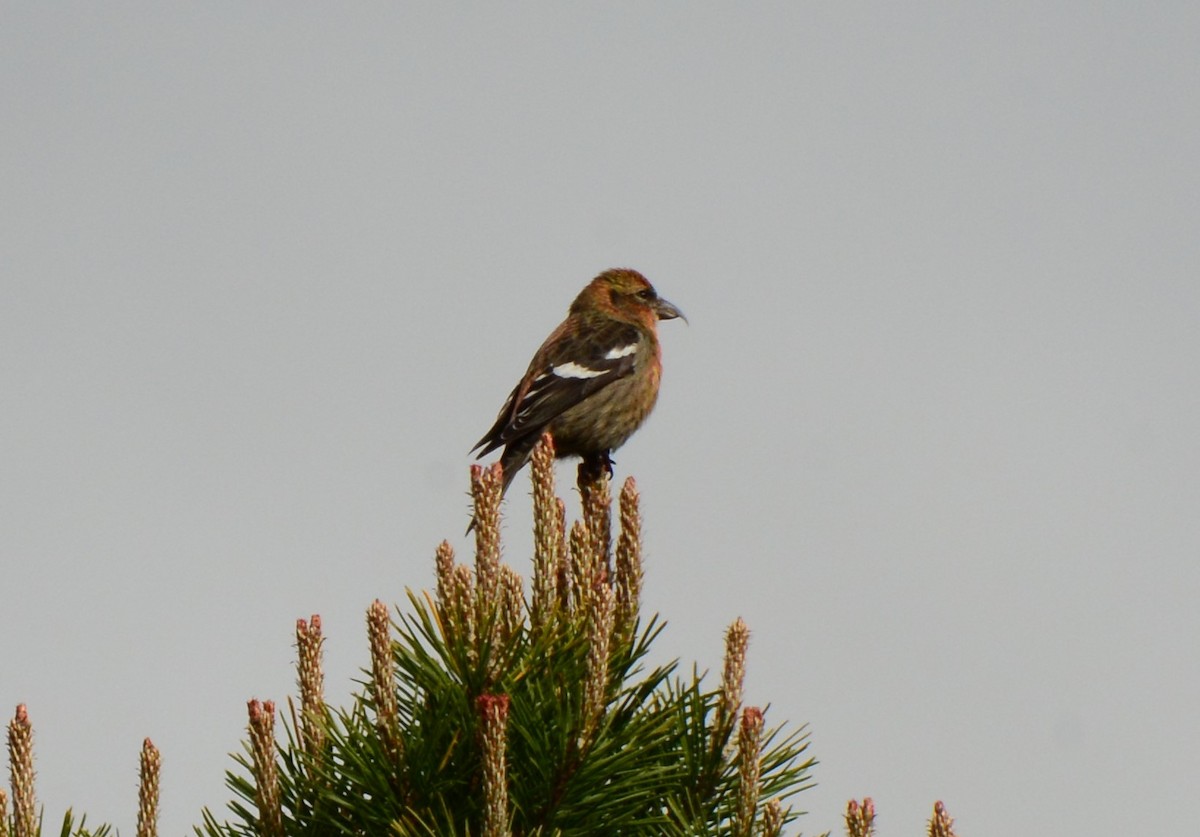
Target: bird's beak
<point>667,311</point>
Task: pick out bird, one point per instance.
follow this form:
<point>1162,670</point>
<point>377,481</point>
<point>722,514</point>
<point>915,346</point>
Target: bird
<point>594,380</point>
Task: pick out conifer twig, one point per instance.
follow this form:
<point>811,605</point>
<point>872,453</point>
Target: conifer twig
<point>772,819</point>
<point>443,563</point>
<point>628,562</point>
<point>310,677</point>
<point>383,680</point>
<point>597,508</point>
<point>462,622</point>
<point>266,772</point>
<point>600,614</point>
<point>150,766</point>
<point>860,818</point>
<point>493,711</point>
<point>941,824</point>
<point>486,485</point>
<point>20,765</point>
<point>512,604</point>
<point>733,675</point>
<point>582,563</point>
<point>547,532</point>
<point>749,769</point>
<point>564,571</point>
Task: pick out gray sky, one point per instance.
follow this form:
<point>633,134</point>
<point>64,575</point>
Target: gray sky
<point>270,269</point>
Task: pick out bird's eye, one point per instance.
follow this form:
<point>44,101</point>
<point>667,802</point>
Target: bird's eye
<point>646,294</point>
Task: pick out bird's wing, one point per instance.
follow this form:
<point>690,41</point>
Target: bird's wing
<point>567,369</point>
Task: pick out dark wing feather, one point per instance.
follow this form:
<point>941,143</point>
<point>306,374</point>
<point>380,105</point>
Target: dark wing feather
<point>564,372</point>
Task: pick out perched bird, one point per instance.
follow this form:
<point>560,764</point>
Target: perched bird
<point>594,380</point>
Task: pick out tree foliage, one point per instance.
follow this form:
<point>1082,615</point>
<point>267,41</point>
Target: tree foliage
<point>489,712</point>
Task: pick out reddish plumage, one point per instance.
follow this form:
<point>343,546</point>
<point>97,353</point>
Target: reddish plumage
<point>594,380</point>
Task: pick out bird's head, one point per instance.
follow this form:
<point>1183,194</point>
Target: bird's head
<point>626,293</point>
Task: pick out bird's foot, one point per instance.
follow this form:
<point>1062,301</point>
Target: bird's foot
<point>594,467</point>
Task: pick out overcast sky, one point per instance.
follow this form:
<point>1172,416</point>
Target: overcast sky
<point>269,270</point>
